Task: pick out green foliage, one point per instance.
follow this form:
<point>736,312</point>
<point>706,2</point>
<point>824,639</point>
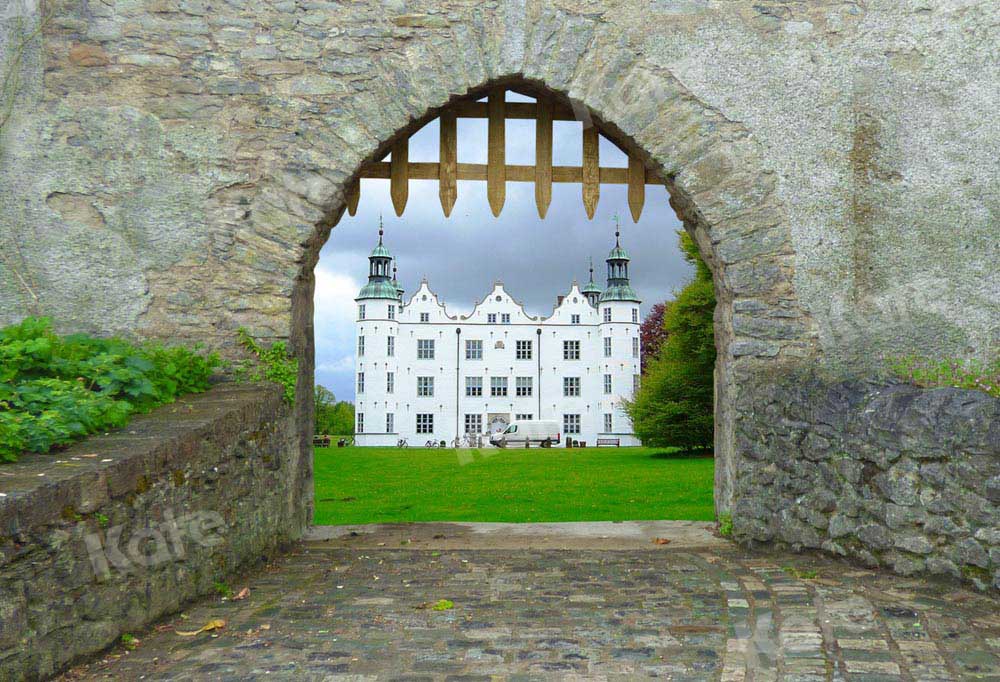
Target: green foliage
<point>801,574</point>
<point>979,376</point>
<point>273,363</point>
<point>674,404</point>
<point>54,390</point>
<point>332,416</point>
<point>222,589</point>
<point>726,525</point>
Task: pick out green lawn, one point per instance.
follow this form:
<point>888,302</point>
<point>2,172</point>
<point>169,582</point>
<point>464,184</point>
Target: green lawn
<point>375,485</point>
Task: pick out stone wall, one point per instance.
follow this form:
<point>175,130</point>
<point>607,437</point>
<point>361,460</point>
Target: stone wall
<point>118,530</point>
<point>891,474</point>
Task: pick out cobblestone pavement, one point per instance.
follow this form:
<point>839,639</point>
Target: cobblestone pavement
<point>326,612</point>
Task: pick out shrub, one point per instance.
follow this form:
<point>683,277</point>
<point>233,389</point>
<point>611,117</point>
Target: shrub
<point>980,376</point>
<point>54,390</point>
<point>270,363</point>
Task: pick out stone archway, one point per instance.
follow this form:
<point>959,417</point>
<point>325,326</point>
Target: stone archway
<point>720,190</point>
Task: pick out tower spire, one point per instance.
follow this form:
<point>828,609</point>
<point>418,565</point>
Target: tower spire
<point>380,263</point>
<point>590,290</point>
<point>618,287</point>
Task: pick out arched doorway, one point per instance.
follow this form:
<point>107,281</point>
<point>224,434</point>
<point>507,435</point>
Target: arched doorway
<point>719,191</point>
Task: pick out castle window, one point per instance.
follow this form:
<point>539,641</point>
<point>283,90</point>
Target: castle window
<point>608,423</point>
<point>473,423</point>
<point>571,423</point>
<point>473,349</point>
<point>425,317</point>
<point>635,314</point>
<point>392,312</point>
<point>498,387</point>
<point>361,422</point>
<point>473,387</point>
<point>390,346</point>
<point>361,311</point>
<point>491,318</point>
<point>523,386</point>
<point>425,386</point>
<point>390,382</point>
<point>635,384</point>
<point>607,314</point>
<point>425,349</point>
<point>526,417</point>
<point>361,346</point>
<point>635,346</point>
<point>390,422</point>
<point>571,387</point>
<point>607,346</point>
<point>361,382</point>
<point>571,350</point>
<point>505,318</point>
<point>425,423</point>
<point>607,384</point>
<point>574,319</point>
<point>523,350</point>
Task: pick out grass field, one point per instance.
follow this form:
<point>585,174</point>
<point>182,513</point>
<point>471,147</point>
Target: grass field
<point>379,485</point>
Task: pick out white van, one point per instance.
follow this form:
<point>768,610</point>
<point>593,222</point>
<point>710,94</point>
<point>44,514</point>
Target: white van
<point>535,432</point>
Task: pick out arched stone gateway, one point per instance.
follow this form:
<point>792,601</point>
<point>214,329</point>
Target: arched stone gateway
<point>172,168</point>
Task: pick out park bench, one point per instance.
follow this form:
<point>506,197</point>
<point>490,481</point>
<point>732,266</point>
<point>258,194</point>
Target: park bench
<point>617,442</point>
<point>321,441</point>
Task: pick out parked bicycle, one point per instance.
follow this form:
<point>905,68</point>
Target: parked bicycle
<point>401,443</point>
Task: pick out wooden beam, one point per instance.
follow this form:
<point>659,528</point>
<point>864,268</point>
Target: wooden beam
<point>448,172</point>
<point>543,157</point>
<point>591,170</point>
<point>636,186</point>
<point>496,176</point>
<point>518,110</point>
<point>353,196</point>
<point>420,170</point>
<point>399,175</point>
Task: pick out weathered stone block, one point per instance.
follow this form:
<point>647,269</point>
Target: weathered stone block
<point>110,546</point>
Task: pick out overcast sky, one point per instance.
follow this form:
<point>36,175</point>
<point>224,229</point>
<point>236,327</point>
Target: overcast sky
<point>462,255</point>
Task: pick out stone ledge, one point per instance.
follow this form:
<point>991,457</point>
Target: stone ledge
<point>38,488</point>
<point>91,549</point>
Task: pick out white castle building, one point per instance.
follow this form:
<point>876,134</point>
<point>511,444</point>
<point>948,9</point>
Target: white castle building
<point>423,374</point>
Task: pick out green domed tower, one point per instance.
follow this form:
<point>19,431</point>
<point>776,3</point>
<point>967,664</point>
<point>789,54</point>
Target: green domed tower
<point>380,282</point>
<point>618,288</point>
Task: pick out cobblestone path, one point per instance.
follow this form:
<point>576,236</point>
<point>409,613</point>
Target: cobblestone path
<point>326,612</point>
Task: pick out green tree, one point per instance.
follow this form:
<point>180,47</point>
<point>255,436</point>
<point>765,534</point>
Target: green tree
<point>343,418</point>
<point>674,404</point>
<point>324,403</point>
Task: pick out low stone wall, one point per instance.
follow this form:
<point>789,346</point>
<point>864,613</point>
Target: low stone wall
<point>891,474</point>
<point>121,529</point>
